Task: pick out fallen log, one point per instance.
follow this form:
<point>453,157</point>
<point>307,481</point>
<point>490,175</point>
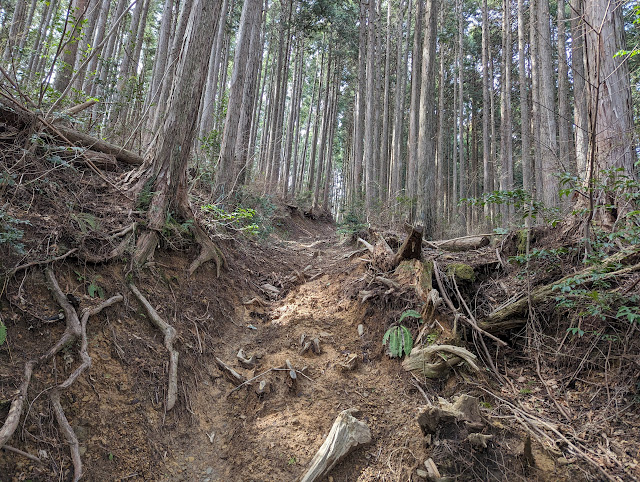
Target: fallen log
<point>346,434</point>
<point>466,243</point>
<point>513,314</point>
<point>85,140</point>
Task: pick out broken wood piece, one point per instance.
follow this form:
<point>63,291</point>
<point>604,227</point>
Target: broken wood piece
<point>169,337</point>
<point>258,301</point>
<point>292,371</point>
<point>466,243</point>
<point>305,348</point>
<point>77,109</point>
<point>269,288</point>
<point>447,419</point>
<point>418,360</point>
<point>479,440</point>
<point>432,469</point>
<point>366,295</point>
<point>351,363</point>
<point>367,245</point>
<point>315,346</point>
<point>412,246</point>
<point>232,375</point>
<point>346,434</point>
<point>388,282</point>
<point>244,361</point>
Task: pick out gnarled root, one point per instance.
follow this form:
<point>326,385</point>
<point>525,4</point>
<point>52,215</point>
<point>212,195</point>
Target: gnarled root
<point>169,337</point>
<point>75,328</point>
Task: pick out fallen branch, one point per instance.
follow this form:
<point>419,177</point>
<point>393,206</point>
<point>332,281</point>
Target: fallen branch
<point>346,434</point>
<point>24,454</point>
<point>85,140</point>
<point>169,337</point>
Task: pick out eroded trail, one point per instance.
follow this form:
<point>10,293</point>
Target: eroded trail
<point>243,436</point>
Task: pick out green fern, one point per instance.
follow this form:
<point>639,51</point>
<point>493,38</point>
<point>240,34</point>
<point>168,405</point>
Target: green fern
<point>411,313</point>
<point>399,339</point>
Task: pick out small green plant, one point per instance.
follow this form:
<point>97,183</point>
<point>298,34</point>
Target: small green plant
<point>239,220</point>
<point>292,461</point>
<point>95,289</point>
<point>525,391</point>
<point>410,313</point>
<point>3,332</point>
<point>521,200</point>
<point>352,223</point>
<point>400,341</point>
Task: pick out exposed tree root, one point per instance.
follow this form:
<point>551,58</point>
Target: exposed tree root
<point>169,337</point>
<point>74,329</point>
<point>68,432</point>
<point>33,458</point>
<point>417,360</point>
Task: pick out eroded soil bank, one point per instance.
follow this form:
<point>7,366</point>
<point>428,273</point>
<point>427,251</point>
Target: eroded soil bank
<point>302,282</point>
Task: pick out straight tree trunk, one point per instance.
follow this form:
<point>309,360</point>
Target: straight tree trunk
<point>525,123</point>
<point>564,138</point>
<point>414,109</point>
<point>487,179</point>
<point>506,142</point>
<point>548,125</point>
<point>384,144</point>
<point>580,100</point>
<point>70,50</point>
<point>227,169</point>
<point>172,149</point>
<point>426,209</point>
<point>369,141</point>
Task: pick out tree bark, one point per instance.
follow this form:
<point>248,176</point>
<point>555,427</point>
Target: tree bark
<point>172,149</point>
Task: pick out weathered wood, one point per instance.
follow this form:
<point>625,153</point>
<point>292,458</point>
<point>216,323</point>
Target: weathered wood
<point>346,434</point>
<point>418,360</point>
<point>85,140</point>
<point>411,248</point>
<point>466,243</point>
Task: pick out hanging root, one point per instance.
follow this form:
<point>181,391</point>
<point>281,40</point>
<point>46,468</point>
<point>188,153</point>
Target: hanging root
<point>169,337</point>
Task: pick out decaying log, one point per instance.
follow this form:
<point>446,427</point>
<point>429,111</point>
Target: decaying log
<point>169,337</point>
<point>419,360</point>
<point>85,140</point>
<point>514,313</point>
<point>465,243</point>
<point>78,108</point>
<point>346,434</point>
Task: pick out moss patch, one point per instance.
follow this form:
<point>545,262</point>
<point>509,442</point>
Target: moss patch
<point>461,272</point>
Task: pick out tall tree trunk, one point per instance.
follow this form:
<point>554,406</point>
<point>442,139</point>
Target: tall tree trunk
<point>369,141</point>
<point>70,49</point>
<point>548,125</point>
<point>384,143</point>
<point>525,123</point>
<point>426,209</point>
<point>227,169</point>
<point>414,109</point>
<point>564,138</point>
<point>461,165</point>
<point>358,151</point>
<point>16,31</point>
<point>172,149</point>
<point>487,184</point>
<point>98,36</point>
<point>580,100</point>
<point>506,140</point>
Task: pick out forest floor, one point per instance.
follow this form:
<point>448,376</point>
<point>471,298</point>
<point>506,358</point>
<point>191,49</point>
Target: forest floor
<point>565,405</point>
<point>216,433</point>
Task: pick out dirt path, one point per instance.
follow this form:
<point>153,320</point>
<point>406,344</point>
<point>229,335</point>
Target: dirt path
<point>245,437</point>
